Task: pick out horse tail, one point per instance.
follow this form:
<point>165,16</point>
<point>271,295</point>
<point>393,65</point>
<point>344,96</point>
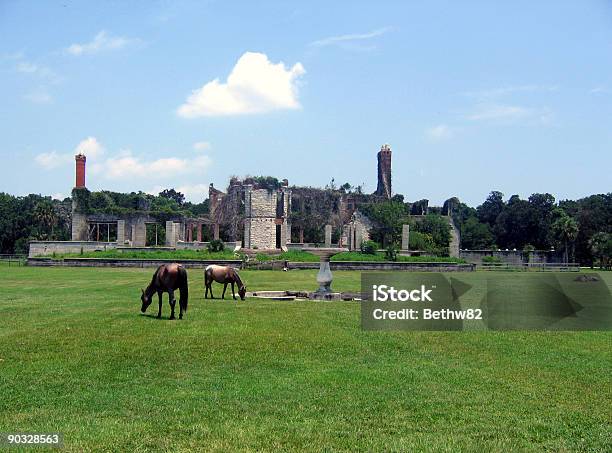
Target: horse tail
<point>184,299</point>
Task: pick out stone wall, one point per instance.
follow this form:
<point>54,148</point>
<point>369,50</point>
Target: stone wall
<point>79,227</point>
<point>263,203</point>
<point>180,245</point>
<point>48,248</point>
<point>260,233</point>
<point>127,262</point>
<point>198,264</point>
<point>262,215</point>
<point>515,257</point>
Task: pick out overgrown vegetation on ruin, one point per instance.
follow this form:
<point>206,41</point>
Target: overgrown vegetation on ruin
<point>165,206</point>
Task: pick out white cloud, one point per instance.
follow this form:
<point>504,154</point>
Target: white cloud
<point>126,165</point>
<point>511,89</point>
<point>331,40</point>
<point>38,97</point>
<point>24,66</point>
<point>600,90</point>
<point>201,146</point>
<point>51,159</point>
<point>91,147</point>
<point>255,85</point>
<point>500,112</point>
<point>58,196</point>
<point>439,133</point>
<point>511,114</point>
<point>101,42</point>
<point>27,67</point>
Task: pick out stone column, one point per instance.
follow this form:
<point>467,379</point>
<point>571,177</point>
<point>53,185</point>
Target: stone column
<point>120,232</point>
<point>199,232</point>
<point>350,237</point>
<point>170,234</point>
<point>328,235</point>
<point>177,232</point>
<point>216,231</point>
<point>288,232</point>
<point>189,232</point>
<point>405,237</point>
<point>358,238</point>
<point>140,234</point>
<point>283,234</point>
<point>247,234</point>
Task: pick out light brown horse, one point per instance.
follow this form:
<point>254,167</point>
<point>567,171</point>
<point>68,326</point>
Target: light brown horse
<point>167,278</point>
<point>225,275</point>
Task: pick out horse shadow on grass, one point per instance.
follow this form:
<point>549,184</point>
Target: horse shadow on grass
<point>154,317</point>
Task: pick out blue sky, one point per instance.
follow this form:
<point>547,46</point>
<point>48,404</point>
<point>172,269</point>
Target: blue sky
<point>471,96</point>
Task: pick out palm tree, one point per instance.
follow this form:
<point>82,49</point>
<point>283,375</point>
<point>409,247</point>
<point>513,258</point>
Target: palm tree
<point>44,213</point>
<point>565,230</point>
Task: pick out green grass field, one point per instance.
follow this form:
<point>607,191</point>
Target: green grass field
<point>77,357</point>
<point>291,255</point>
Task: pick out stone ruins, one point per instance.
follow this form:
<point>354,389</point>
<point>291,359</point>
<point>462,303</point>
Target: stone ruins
<point>254,213</point>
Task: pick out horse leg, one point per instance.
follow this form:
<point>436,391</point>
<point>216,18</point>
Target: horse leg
<point>181,304</point>
<point>159,295</point>
<point>172,302</point>
<point>224,288</point>
<point>233,293</point>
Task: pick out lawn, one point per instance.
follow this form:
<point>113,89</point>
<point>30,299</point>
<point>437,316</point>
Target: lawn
<point>78,358</point>
<point>291,255</point>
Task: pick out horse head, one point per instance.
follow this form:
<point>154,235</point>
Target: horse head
<point>242,292</point>
<point>146,301</point>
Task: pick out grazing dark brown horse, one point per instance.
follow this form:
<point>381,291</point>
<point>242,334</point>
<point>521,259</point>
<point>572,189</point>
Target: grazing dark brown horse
<point>167,278</point>
<point>225,275</point>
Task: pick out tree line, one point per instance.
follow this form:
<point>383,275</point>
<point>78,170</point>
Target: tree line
<point>581,229</point>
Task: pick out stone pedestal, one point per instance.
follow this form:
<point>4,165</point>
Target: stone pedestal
<point>324,277</point>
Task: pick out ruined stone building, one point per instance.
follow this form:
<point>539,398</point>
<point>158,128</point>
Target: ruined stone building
<point>255,213</point>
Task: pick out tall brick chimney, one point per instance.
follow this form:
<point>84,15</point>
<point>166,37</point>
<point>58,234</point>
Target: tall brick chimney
<point>80,170</point>
<point>384,172</point>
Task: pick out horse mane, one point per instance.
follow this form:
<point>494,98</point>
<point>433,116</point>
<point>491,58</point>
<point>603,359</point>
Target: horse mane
<point>153,285</point>
<point>240,284</point>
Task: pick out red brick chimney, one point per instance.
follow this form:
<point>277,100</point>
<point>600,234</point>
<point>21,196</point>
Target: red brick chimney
<point>80,170</point>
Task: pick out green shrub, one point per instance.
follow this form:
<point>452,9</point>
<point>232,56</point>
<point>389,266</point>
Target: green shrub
<point>369,247</point>
<point>391,253</point>
<point>491,260</point>
<point>216,245</point>
<point>262,257</point>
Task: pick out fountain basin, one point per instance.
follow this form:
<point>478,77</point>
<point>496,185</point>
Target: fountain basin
<point>324,277</point>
